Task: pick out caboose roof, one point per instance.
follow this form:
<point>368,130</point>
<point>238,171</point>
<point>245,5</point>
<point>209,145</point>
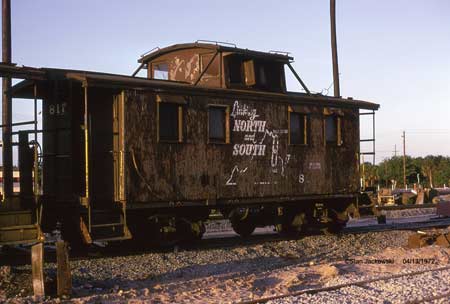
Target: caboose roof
<point>157,52</point>
<point>24,89</point>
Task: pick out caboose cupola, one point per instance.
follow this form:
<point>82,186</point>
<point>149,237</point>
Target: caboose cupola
<point>217,65</point>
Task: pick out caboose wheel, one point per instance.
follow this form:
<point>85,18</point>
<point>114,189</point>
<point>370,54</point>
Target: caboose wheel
<point>338,220</point>
<point>190,230</point>
<point>241,222</point>
<point>244,228</point>
<point>198,229</point>
<point>293,225</point>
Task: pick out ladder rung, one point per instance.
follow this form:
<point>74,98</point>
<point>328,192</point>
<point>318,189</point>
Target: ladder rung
<point>117,238</point>
<point>372,139</point>
<point>367,153</point>
<point>19,227</point>
<point>105,211</point>
<point>106,225</point>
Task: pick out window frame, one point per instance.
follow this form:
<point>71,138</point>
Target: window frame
<point>219,66</point>
<point>227,71</point>
<point>152,70</point>
<point>339,142</point>
<point>180,117</point>
<point>306,127</point>
<point>227,139</point>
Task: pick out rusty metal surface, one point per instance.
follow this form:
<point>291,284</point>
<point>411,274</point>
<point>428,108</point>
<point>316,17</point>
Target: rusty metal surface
<point>217,47</point>
<point>186,65</point>
<point>257,163</point>
<point>114,81</point>
<point>177,172</point>
<point>220,67</point>
<point>11,70</point>
<point>62,140</point>
<point>126,82</point>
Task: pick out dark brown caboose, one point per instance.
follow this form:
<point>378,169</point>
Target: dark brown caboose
<point>212,127</point>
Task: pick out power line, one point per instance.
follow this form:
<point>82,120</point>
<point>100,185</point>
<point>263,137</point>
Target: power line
<point>429,132</point>
<point>421,131</point>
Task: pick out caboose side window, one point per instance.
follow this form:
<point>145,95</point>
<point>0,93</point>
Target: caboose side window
<point>218,124</point>
<point>298,128</point>
<point>234,69</point>
<point>213,69</point>
<point>333,130</point>
<point>170,120</point>
<point>160,71</point>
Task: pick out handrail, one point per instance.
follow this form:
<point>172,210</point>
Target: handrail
<point>31,122</point>
<point>156,48</point>
<point>279,52</point>
<point>216,42</point>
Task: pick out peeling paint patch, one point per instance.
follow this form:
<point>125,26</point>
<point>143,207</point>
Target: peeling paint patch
<point>314,166</point>
<point>234,172</point>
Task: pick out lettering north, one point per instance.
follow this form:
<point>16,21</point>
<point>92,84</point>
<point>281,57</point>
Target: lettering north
<point>249,126</point>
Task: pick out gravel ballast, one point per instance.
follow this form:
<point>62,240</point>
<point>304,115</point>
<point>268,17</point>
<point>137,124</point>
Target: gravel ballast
<point>113,279</point>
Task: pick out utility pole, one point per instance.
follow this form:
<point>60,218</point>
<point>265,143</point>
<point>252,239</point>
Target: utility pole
<point>336,87</point>
<point>6,101</point>
<point>404,160</point>
<point>395,150</point>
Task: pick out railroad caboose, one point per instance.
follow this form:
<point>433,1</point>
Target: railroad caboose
<point>210,127</point>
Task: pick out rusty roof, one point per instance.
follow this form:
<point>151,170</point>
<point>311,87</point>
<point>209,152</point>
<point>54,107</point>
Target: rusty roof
<point>115,81</point>
<point>213,46</point>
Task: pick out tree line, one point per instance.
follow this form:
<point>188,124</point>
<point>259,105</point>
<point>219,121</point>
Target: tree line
<point>430,171</point>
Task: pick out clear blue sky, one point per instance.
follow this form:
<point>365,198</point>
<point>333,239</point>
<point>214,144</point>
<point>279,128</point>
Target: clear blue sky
<point>395,53</point>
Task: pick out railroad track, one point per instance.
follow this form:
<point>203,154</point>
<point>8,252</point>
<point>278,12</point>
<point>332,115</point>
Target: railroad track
<point>226,240</point>
<point>405,207</point>
<point>359,283</point>
<point>432,223</point>
<point>236,240</point>
<point>232,240</point>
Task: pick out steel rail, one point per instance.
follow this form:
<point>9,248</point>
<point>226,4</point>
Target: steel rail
<point>339,286</point>
<point>405,207</point>
<point>432,223</point>
<point>93,252</point>
<point>237,241</point>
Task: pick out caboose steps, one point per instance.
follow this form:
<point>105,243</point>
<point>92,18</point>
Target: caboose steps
<point>104,225</point>
<point>23,234</point>
<point>19,227</point>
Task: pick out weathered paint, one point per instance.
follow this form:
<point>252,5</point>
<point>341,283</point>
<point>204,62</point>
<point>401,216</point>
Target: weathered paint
<point>258,162</point>
<point>186,66</point>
